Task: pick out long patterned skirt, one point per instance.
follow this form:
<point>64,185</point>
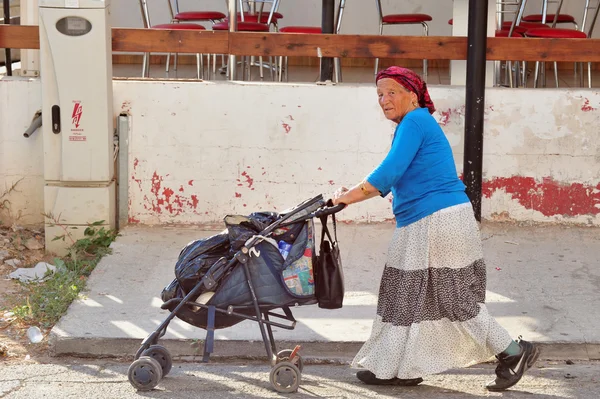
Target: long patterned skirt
<point>431,315</point>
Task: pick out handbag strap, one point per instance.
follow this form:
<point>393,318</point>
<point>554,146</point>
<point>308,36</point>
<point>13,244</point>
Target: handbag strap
<point>325,229</point>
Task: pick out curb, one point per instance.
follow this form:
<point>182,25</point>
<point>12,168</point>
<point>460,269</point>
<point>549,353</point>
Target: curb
<point>313,352</point>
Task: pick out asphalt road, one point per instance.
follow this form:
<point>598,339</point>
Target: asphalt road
<point>101,378</point>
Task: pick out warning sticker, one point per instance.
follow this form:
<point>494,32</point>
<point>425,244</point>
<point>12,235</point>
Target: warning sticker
<point>77,138</point>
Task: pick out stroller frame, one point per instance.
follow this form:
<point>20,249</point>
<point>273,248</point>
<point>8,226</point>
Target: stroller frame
<point>152,361</point>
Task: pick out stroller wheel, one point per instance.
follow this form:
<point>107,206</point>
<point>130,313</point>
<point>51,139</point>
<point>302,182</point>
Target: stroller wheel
<point>284,356</point>
<point>285,377</point>
<point>145,373</point>
<point>162,356</point>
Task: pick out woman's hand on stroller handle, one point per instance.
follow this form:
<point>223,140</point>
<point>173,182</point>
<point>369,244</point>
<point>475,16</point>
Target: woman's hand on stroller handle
<point>330,209</point>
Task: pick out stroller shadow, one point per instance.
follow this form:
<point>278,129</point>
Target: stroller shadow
<point>252,381</point>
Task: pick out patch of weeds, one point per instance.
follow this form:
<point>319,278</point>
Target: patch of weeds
<point>47,301</point>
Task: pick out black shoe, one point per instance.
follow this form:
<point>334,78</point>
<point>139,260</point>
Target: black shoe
<point>369,378</point>
<point>511,368</point>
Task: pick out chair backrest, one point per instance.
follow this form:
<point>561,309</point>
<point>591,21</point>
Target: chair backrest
<point>258,6</point>
<point>379,10</point>
<point>506,8</point>
<point>590,15</point>
<point>145,13</point>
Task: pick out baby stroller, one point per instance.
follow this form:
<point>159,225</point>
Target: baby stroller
<point>261,263</point>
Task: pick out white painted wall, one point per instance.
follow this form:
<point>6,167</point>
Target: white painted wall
<point>21,159</point>
<point>360,16</point>
<point>201,150</point>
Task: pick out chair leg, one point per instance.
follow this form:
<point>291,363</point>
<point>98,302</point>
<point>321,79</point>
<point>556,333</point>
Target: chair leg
<point>208,57</point>
<point>146,65</point>
<point>168,62</point>
<point>200,58</point>
<point>280,69</point>
<point>589,75</point>
<point>287,70</point>
<point>377,59</point>
<point>510,74</point>
<point>425,33</point>
<point>337,64</point>
<point>556,73</point>
<point>536,74</point>
<point>175,61</point>
<point>260,68</point>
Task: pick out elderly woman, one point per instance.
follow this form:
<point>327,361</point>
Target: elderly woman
<point>431,314</point>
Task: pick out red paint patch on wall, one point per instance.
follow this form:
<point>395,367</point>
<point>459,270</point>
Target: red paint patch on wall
<point>249,179</point>
<point>549,196</point>
<point>331,182</point>
<point>164,199</point>
<point>191,183</point>
<point>587,107</point>
<point>238,195</point>
<point>132,219</point>
<point>286,127</point>
<point>135,163</point>
<point>445,117</point>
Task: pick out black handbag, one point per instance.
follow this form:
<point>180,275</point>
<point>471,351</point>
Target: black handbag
<point>329,276</point>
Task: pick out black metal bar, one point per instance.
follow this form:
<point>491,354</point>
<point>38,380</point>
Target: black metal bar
<point>7,56</point>
<point>261,322</point>
<point>475,102</point>
<point>327,26</point>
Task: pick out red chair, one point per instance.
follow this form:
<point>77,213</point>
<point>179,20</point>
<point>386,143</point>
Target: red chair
<point>178,16</point>
<point>560,19</point>
<point>402,19</point>
<point>556,33</point>
<point>174,26</point>
<point>246,27</point>
<point>522,27</point>
<point>283,61</point>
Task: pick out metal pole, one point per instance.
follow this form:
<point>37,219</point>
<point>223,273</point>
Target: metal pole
<point>328,26</point>
<point>7,56</point>
<point>475,102</point>
<point>233,28</point>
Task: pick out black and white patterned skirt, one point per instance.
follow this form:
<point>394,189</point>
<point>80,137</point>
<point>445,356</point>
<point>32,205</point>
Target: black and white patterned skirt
<point>431,315</point>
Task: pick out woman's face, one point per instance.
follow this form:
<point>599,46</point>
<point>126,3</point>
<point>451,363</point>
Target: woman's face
<point>395,100</point>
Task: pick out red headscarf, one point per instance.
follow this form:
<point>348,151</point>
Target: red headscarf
<point>411,82</point>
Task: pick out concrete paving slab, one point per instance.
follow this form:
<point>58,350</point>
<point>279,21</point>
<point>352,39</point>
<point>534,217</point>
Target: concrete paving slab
<point>543,284</point>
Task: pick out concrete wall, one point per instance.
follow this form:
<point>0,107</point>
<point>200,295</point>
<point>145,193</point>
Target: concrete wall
<point>21,159</point>
<point>360,16</point>
<point>201,150</point>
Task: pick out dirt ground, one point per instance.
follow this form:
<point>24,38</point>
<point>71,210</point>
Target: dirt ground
<point>26,245</point>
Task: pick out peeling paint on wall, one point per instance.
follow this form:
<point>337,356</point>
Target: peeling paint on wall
<point>549,197</point>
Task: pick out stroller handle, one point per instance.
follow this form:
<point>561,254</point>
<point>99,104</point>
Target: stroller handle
<point>329,210</point>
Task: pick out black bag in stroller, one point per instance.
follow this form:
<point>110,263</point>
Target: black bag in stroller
<point>277,281</point>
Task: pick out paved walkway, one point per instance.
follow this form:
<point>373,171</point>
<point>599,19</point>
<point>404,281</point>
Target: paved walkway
<point>543,284</point>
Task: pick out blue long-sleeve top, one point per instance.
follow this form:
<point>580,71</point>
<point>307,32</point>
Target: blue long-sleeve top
<point>419,170</point>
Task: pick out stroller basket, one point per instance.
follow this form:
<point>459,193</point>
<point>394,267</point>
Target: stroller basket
<point>256,278</point>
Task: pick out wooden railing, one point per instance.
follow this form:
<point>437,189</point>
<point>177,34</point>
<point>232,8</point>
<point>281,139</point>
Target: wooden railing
<point>342,46</point>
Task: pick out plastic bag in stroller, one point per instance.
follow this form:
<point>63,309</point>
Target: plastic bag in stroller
<point>260,263</point>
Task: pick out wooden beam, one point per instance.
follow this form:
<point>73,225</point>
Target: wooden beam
<point>349,46</point>
<point>533,49</point>
<point>342,46</point>
<point>175,41</point>
<point>19,36</point>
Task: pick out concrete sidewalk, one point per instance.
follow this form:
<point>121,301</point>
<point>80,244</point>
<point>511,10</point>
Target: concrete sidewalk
<point>543,284</point>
